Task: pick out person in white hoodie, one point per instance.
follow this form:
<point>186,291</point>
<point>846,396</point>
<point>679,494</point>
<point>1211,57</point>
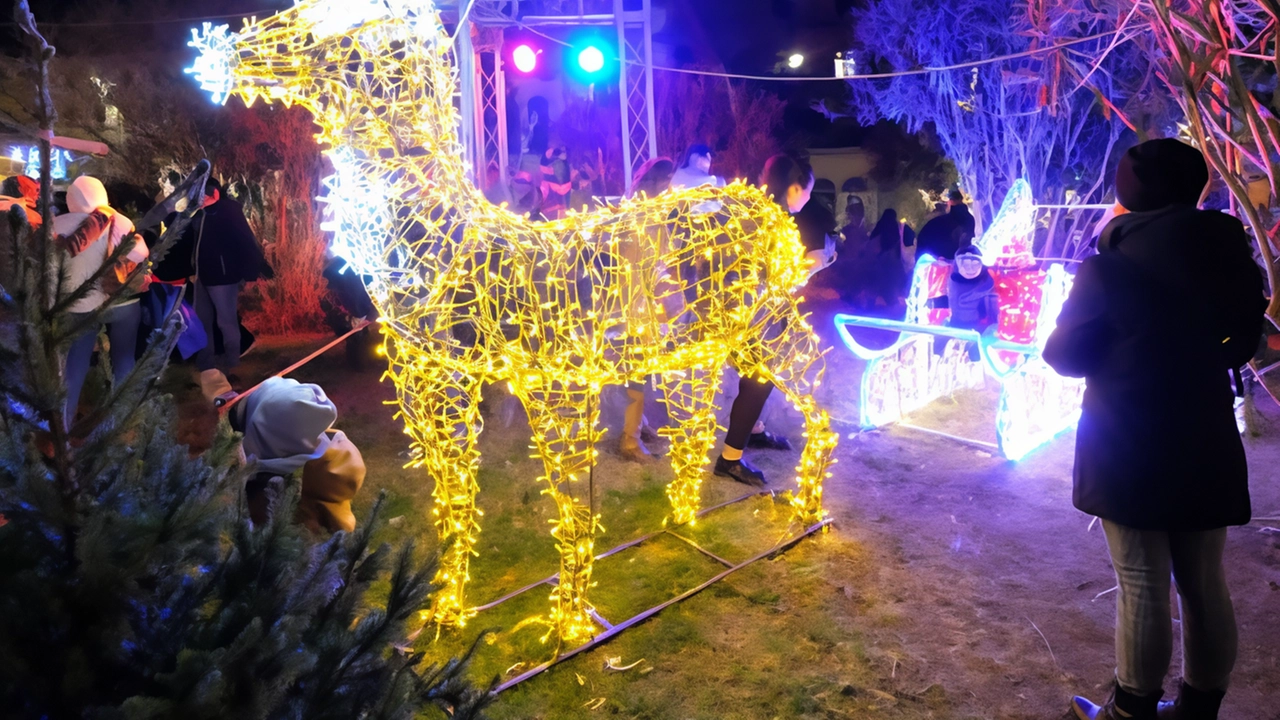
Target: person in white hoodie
<point>86,237</point>
<point>695,171</point>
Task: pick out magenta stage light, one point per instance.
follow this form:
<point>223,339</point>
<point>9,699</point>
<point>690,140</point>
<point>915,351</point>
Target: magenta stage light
<point>525,58</point>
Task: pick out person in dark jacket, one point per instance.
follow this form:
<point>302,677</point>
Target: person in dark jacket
<point>224,254</point>
<point>886,278</point>
<point>956,207</point>
<point>1158,455</point>
<point>942,236</point>
<point>971,295</point>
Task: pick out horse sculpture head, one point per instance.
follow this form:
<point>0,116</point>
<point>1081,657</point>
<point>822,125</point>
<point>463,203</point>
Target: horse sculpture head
<point>378,79</point>
<point>307,53</point>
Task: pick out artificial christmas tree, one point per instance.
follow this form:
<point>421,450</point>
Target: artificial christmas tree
<point>132,583</point>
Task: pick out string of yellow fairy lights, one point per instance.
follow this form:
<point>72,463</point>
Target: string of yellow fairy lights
<point>470,293</point>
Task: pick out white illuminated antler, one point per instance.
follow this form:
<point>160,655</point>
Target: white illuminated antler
<point>212,67</point>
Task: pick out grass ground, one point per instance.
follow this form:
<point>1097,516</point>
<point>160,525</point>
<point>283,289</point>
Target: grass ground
<point>952,585</point>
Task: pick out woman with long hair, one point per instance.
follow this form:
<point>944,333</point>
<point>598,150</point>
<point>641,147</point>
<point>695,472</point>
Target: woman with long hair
<point>789,181</point>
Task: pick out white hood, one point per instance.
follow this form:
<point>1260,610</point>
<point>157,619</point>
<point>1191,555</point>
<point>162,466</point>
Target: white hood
<point>86,194</point>
<point>284,424</point>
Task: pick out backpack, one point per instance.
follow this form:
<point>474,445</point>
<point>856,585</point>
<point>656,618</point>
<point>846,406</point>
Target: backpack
<point>123,275</point>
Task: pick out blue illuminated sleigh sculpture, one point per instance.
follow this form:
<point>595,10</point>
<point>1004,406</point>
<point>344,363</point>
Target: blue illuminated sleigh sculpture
<point>912,371</point>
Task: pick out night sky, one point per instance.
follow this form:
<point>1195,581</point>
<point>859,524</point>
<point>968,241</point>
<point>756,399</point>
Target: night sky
<point>750,36</point>
<point>740,36</point>
<point>746,35</point>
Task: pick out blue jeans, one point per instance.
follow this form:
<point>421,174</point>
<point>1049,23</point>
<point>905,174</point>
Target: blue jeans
<point>77,368</point>
<point>122,323</point>
<point>216,305</point>
<point>1145,561</point>
<point>122,331</point>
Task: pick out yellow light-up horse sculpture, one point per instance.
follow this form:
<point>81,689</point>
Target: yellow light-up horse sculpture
<point>470,293</point>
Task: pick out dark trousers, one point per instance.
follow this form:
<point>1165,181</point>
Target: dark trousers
<point>216,307</point>
<point>746,410</point>
<point>122,330</point>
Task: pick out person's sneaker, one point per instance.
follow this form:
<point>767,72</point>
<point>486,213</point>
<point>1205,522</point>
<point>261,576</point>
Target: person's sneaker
<point>741,471</point>
<point>768,441</point>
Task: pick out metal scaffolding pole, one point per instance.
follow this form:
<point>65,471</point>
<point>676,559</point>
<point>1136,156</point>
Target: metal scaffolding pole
<point>465,59</point>
<point>635,86</point>
<point>490,106</point>
<point>484,130</point>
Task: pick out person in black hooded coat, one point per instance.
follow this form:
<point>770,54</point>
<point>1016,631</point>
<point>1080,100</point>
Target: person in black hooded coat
<point>1155,323</point>
<point>221,251</point>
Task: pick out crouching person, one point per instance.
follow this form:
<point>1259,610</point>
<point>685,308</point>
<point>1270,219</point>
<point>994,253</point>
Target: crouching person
<point>287,426</point>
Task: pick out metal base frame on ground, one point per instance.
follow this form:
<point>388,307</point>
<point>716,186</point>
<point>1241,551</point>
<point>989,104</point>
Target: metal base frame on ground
<point>612,630</point>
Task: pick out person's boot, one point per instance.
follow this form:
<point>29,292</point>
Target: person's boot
<point>740,471</point>
<point>1123,705</point>
<point>1192,704</point>
<point>634,451</point>
<point>632,448</point>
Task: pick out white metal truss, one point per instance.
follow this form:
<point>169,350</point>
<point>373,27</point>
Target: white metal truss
<point>483,89</point>
<point>482,104</point>
<point>490,111</point>
<point>635,85</point>
<point>465,60</point>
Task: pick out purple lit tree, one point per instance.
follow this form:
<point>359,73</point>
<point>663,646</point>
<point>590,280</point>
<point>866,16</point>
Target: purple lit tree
<point>1055,117</point>
<point>1221,60</point>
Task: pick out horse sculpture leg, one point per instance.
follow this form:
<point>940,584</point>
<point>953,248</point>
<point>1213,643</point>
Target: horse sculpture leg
<point>441,411</point>
<point>788,354</point>
<point>690,398</point>
<point>563,417</point>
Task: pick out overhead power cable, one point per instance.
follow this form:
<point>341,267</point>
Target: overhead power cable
<point>869,76</point>
<point>687,71</point>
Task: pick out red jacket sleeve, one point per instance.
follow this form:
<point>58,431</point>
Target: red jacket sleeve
<point>85,235</point>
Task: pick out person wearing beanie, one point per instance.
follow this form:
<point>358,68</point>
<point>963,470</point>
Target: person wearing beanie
<point>21,192</point>
<point>24,192</point>
<point>1158,455</point>
<point>223,253</point>
<point>971,295</point>
<point>942,236</point>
